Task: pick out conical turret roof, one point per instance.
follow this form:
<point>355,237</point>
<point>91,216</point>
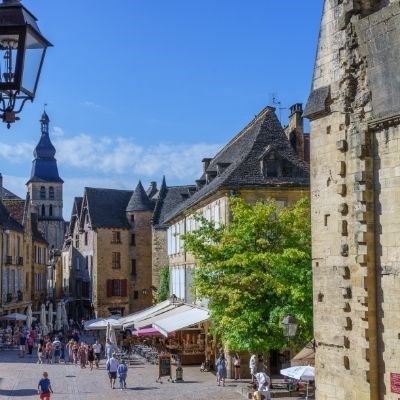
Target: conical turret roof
<point>139,200</point>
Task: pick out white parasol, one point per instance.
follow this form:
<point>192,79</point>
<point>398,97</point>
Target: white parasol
<point>14,317</point>
<point>43,323</point>
<point>58,324</point>
<point>50,321</point>
<point>29,317</point>
<point>301,373</point>
<point>64,316</point>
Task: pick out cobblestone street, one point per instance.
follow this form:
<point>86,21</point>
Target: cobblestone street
<point>19,378</point>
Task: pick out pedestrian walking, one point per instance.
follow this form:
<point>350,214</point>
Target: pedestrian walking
<point>22,345</point>
<point>253,367</point>
<point>97,353</point>
<point>30,343</point>
<point>75,351</point>
<point>49,352</point>
<point>44,387</point>
<point>82,355</point>
<point>90,356</point>
<point>264,382</point>
<point>109,348</point>
<point>122,373</point>
<point>40,351</point>
<point>112,368</point>
<point>221,369</point>
<point>236,365</point>
<point>57,350</point>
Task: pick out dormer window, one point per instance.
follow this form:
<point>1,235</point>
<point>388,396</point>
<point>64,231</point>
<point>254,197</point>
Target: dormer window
<point>272,166</point>
<point>42,193</point>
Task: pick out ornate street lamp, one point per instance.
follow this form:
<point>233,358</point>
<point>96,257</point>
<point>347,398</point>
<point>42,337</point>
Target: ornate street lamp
<point>289,325</point>
<point>22,52</point>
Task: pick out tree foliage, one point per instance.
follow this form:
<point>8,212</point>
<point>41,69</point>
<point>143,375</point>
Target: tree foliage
<point>163,292</point>
<point>254,271</point>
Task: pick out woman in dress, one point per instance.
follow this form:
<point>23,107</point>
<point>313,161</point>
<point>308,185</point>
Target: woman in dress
<point>221,369</point>
<point>82,355</point>
<point>90,356</point>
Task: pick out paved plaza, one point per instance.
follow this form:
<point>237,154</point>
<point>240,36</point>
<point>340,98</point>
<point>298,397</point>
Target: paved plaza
<point>19,378</point>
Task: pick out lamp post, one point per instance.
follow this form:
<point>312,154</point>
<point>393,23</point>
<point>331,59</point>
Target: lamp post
<point>22,52</point>
<point>289,326</point>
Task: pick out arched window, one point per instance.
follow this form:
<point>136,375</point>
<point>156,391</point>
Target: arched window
<point>51,193</point>
<point>43,210</point>
<point>42,193</point>
<point>50,210</point>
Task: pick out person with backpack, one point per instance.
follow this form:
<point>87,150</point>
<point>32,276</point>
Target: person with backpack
<point>122,373</point>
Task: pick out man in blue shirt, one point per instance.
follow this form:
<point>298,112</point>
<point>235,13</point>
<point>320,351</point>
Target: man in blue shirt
<point>44,387</point>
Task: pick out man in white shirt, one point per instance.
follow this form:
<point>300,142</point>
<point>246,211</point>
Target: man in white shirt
<point>97,352</point>
<point>112,368</point>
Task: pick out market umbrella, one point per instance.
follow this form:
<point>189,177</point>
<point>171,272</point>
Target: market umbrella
<point>50,321</point>
<point>29,317</point>
<point>301,373</point>
<point>43,323</point>
<point>58,324</point>
<point>14,317</point>
<point>146,332</point>
<point>64,316</point>
<point>113,337</point>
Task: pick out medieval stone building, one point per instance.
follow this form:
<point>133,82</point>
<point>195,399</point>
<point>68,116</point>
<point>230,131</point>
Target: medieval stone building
<point>45,188</point>
<point>354,110</point>
<point>23,255</point>
<point>115,246</point>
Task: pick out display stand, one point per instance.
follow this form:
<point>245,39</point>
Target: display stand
<point>164,368</point>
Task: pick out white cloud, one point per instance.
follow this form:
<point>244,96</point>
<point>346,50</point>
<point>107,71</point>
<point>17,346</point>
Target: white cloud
<point>16,153</point>
<point>57,131</point>
<point>95,106</point>
<point>123,156</point>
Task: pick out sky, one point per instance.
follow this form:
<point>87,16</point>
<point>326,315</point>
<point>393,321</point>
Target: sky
<point>141,89</point>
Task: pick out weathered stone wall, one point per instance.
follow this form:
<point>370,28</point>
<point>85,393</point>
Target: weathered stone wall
<point>104,270</point>
<point>142,282</point>
<point>354,188</point>
<point>159,254</point>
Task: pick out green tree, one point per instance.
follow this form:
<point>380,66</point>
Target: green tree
<point>163,292</point>
<point>254,271</point>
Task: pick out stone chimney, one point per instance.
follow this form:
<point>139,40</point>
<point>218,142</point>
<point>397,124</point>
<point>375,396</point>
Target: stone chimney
<point>295,129</point>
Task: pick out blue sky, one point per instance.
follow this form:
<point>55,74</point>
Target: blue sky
<point>138,89</point>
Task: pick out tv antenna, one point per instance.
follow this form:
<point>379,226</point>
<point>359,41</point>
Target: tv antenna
<point>277,104</point>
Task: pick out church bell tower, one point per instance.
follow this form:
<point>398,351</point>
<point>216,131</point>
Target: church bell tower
<point>45,188</point>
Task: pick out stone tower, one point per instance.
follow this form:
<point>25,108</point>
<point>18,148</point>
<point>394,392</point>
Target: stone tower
<point>354,109</point>
<point>45,188</point>
<point>139,212</point>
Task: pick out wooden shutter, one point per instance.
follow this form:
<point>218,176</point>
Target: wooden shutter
<point>124,287</point>
<point>109,287</point>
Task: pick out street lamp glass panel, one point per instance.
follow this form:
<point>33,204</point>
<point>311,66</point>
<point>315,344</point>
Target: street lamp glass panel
<point>34,54</point>
<point>8,59</point>
<point>289,326</point>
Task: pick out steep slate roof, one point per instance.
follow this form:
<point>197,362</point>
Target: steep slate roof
<point>107,207</point>
<point>237,165</point>
<point>7,222</point>
<point>139,200</point>
<point>75,213</point>
<point>169,197</point>
<point>16,209</point>
<point>7,195</point>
